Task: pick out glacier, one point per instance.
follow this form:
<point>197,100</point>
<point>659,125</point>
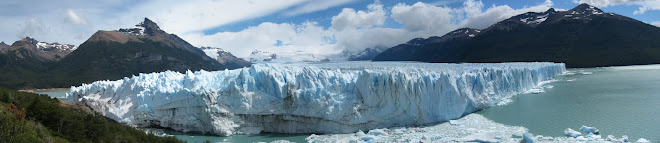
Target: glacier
<point>311,98</point>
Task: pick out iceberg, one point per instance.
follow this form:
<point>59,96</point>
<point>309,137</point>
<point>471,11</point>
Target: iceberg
<point>572,133</point>
<point>311,98</point>
<point>589,129</point>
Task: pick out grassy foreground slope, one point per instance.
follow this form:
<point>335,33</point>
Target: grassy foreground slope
<point>27,117</point>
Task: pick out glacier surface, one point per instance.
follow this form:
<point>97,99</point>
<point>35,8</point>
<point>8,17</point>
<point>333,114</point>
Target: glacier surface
<point>311,98</point>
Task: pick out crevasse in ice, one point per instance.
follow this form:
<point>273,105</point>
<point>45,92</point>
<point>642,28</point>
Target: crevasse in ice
<point>310,98</point>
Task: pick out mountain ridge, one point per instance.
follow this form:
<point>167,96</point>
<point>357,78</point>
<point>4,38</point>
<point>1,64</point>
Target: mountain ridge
<point>584,36</point>
<point>106,55</point>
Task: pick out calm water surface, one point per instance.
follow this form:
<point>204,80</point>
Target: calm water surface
<point>618,101</point>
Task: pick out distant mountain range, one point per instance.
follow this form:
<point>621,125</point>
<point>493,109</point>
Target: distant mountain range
<point>106,55</point>
<point>584,36</point>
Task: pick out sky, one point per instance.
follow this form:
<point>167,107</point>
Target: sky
<point>319,27</point>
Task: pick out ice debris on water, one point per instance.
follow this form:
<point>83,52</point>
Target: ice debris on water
<point>572,133</point>
<point>589,129</point>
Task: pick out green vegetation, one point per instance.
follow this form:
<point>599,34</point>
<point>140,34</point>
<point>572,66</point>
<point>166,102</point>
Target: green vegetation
<point>27,117</point>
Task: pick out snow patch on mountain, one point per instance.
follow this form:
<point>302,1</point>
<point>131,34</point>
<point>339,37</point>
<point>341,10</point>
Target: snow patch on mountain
<point>310,98</point>
<point>137,30</point>
<point>212,51</point>
<point>44,46</point>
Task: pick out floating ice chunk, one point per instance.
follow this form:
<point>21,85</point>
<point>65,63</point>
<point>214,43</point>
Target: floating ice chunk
<point>572,133</point>
<point>611,138</point>
<point>589,129</point>
<point>586,73</point>
<point>489,137</point>
<point>379,132</point>
<point>528,138</point>
<point>642,140</point>
<point>593,136</point>
<point>454,123</point>
<point>581,138</point>
<point>359,133</point>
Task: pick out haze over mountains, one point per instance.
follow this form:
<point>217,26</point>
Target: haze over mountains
<point>584,36</point>
<point>114,54</point>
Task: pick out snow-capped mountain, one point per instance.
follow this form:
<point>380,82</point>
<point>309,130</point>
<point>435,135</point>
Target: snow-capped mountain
<point>225,58</point>
<point>311,98</point>
<point>584,36</point>
<point>40,50</point>
<point>55,46</point>
<point>299,56</point>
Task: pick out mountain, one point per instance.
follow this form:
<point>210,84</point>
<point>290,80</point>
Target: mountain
<point>365,55</point>
<point>3,45</point>
<point>421,49</point>
<point>584,36</point>
<point>27,59</point>
<point>43,51</point>
<point>143,48</point>
<point>225,58</point>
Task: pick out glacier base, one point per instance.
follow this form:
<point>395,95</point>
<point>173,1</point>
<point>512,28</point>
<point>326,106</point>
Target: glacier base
<point>311,98</point>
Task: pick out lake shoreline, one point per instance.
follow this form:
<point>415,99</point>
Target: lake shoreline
<point>45,90</point>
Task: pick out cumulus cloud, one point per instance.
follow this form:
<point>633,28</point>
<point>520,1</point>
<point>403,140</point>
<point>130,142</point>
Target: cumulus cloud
<point>643,5</point>
<point>422,16</point>
<point>354,30</point>
<point>307,37</point>
<point>349,18</point>
<point>72,17</point>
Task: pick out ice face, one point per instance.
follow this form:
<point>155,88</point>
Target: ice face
<point>311,98</point>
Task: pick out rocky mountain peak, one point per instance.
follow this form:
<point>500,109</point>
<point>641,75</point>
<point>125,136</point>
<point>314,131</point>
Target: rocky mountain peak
<point>147,27</point>
<point>586,8</point>
<point>3,45</point>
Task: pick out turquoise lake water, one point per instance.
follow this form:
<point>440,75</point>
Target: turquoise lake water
<point>54,94</point>
<point>618,101</point>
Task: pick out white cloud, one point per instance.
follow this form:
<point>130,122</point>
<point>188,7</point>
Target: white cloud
<point>72,17</point>
<point>476,18</point>
<point>423,17</point>
<point>354,30</point>
<point>349,18</point>
<point>316,5</point>
<point>31,27</point>
<point>644,5</point>
<point>307,37</point>
<point>657,23</point>
<point>196,15</point>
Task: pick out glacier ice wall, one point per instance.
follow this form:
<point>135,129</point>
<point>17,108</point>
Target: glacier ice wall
<point>310,98</point>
